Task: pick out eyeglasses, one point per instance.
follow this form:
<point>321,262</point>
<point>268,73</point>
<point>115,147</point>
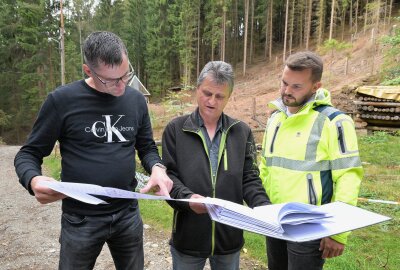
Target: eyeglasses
<point>113,82</point>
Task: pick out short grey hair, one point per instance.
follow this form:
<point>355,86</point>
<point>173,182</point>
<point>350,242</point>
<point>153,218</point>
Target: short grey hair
<point>220,72</point>
<point>306,60</point>
<point>103,47</point>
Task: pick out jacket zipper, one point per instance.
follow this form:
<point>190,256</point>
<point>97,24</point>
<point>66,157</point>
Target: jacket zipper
<point>341,138</point>
<point>271,149</point>
<point>225,159</point>
<point>214,177</point>
<point>312,197</point>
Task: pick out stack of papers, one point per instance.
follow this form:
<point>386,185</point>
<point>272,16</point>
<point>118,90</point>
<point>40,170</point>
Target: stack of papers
<point>267,219</point>
<point>295,222</point>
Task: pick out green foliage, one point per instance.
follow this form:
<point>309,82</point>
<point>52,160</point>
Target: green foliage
<point>332,46</point>
<point>175,103</point>
<point>156,213</point>
<point>134,34</point>
<point>53,166</point>
<point>391,56</point>
<point>379,149</point>
<point>4,119</point>
<point>158,47</point>
<point>376,137</point>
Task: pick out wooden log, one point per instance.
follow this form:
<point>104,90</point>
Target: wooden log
<point>379,104</point>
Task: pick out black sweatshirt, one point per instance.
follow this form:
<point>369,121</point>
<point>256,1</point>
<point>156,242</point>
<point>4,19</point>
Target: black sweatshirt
<point>98,134</point>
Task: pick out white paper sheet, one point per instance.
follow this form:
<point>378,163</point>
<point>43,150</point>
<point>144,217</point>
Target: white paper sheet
<point>80,192</point>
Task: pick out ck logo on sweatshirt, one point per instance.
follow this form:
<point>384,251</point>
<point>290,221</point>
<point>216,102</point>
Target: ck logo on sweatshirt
<point>109,129</point>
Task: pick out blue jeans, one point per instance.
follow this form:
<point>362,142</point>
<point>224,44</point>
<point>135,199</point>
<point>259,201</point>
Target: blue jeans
<point>182,261</point>
<point>82,239</point>
<point>286,255</point>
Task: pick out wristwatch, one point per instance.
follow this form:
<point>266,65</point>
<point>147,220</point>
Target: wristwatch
<point>158,164</point>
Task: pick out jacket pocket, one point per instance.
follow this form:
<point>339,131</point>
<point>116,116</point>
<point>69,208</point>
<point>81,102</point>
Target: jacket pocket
<point>312,196</point>
<point>271,148</point>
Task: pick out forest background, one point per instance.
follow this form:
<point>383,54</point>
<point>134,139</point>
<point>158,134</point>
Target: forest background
<point>169,41</point>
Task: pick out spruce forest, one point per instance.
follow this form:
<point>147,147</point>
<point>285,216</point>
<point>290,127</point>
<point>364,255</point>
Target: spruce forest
<point>168,41</point>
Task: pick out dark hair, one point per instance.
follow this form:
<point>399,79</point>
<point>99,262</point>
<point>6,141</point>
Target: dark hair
<point>306,60</point>
<point>220,72</point>
<point>105,47</point>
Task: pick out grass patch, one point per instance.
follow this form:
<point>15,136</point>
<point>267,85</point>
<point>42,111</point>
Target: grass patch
<point>376,247</point>
<point>156,213</point>
<point>52,166</point>
<point>370,248</point>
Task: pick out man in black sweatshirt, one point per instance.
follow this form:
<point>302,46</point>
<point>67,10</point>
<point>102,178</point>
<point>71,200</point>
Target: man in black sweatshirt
<point>99,122</point>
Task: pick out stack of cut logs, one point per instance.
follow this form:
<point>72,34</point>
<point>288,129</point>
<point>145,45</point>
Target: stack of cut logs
<point>378,111</point>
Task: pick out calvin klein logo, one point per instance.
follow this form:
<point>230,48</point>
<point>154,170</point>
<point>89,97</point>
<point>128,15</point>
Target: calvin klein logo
<point>107,129</point>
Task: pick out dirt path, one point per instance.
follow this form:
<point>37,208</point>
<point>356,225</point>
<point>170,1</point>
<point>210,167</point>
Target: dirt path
<point>29,231</point>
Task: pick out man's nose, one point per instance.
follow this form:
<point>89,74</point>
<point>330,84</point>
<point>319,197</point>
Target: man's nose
<point>121,84</point>
<point>211,100</point>
<point>286,89</point>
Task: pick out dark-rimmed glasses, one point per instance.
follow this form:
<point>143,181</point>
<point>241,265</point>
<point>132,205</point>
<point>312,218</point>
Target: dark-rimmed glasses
<point>113,82</point>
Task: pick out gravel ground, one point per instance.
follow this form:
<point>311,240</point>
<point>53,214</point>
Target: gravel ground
<point>29,231</point>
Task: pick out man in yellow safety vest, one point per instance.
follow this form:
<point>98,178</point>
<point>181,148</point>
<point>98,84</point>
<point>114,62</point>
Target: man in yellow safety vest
<point>310,155</point>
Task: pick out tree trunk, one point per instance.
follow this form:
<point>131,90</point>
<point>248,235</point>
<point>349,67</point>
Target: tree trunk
<point>332,17</point>
<point>390,11</point>
<point>385,14</point>
<point>251,32</point>
<point>270,28</point>
<point>356,19</point>
<point>365,17</point>
<point>223,36</point>
<point>308,27</point>
<point>236,34</point>
<point>266,32</point>
<point>321,20</point>
<point>198,40</point>
<point>377,16</point>
<point>343,21</point>
<point>286,30</point>
<point>246,22</point>
<point>301,19</point>
<point>291,27</point>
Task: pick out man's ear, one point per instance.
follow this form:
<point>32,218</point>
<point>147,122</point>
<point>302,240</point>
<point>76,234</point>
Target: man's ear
<point>316,86</point>
<point>87,70</point>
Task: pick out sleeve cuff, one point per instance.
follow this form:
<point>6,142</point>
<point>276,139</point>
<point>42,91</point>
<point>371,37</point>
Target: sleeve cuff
<point>27,180</point>
<point>341,238</point>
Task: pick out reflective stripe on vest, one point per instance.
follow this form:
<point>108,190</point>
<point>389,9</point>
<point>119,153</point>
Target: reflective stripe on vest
<point>310,163</point>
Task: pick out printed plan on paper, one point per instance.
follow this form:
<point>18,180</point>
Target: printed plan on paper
<point>290,221</point>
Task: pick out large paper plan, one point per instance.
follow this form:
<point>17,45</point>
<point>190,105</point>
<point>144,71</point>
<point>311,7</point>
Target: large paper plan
<point>296,222</point>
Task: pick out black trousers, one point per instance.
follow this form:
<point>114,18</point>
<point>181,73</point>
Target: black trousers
<point>286,255</point>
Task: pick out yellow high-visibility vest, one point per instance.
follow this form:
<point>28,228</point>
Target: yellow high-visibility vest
<point>311,156</point>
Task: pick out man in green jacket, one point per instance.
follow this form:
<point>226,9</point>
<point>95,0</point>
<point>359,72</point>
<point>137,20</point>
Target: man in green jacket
<point>209,154</point>
<point>310,155</point>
